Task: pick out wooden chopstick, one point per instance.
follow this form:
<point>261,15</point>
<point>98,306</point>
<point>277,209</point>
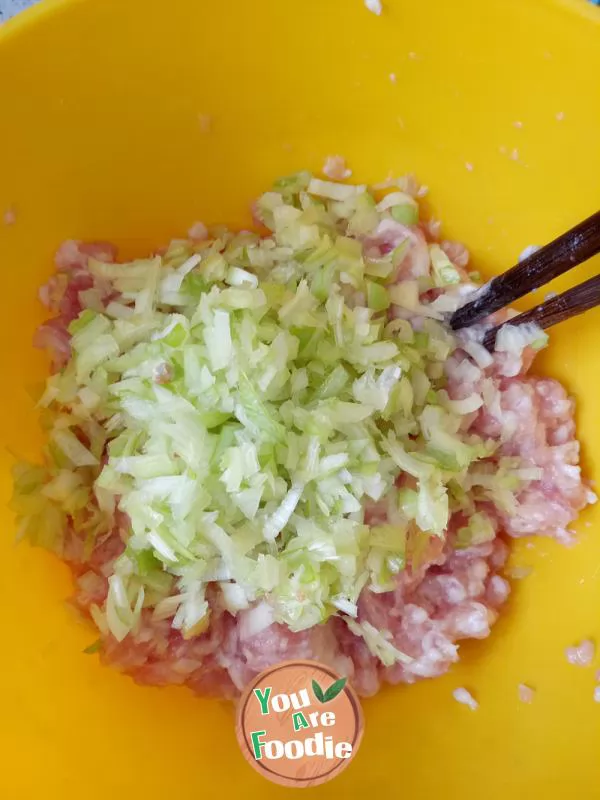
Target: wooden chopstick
<point>563,306</point>
<point>554,259</point>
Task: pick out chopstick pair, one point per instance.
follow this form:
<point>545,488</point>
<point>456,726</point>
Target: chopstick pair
<point>559,256</point>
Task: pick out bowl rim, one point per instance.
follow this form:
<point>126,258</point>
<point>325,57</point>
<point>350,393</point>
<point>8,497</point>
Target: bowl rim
<point>41,11</point>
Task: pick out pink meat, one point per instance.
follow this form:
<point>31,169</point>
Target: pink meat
<point>389,235</point>
<point>456,252</point>
<point>73,255</point>
<point>61,294</point>
<point>539,415</point>
<point>53,336</point>
<point>452,595</point>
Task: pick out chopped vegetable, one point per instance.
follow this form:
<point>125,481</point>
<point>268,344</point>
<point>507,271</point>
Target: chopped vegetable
<point>266,431</point>
<point>378,643</point>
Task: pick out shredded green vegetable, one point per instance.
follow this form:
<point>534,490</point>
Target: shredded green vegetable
<point>244,401</point>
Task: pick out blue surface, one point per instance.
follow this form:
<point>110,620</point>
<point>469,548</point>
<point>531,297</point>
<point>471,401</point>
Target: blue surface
<point>10,7</point>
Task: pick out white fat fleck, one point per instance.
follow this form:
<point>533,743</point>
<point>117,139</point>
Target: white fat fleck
<point>393,77</point>
<point>469,166</point>
<point>529,251</point>
<point>255,620</point>
<point>560,116</point>
<point>461,695</point>
<point>517,123</point>
<point>597,694</point>
<point>374,6</point>
<point>514,154</point>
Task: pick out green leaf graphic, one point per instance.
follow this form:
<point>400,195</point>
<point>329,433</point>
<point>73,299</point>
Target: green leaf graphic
<point>318,692</point>
<point>334,690</point>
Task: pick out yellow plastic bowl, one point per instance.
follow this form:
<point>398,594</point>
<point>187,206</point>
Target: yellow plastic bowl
<point>100,138</point>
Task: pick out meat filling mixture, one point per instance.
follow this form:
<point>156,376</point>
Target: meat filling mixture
<point>270,445</point>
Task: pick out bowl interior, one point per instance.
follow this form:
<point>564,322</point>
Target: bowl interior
<point>102,136</point>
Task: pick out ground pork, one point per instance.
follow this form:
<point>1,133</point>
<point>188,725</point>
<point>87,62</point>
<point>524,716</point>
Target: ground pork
<point>453,594</point>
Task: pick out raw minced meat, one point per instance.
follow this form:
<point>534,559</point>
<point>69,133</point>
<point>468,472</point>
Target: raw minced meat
<point>9,217</point>
<point>454,595</point>
<point>335,168</point>
<point>448,592</point>
<point>581,654</point>
<point>465,698</point>
<point>526,693</point>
